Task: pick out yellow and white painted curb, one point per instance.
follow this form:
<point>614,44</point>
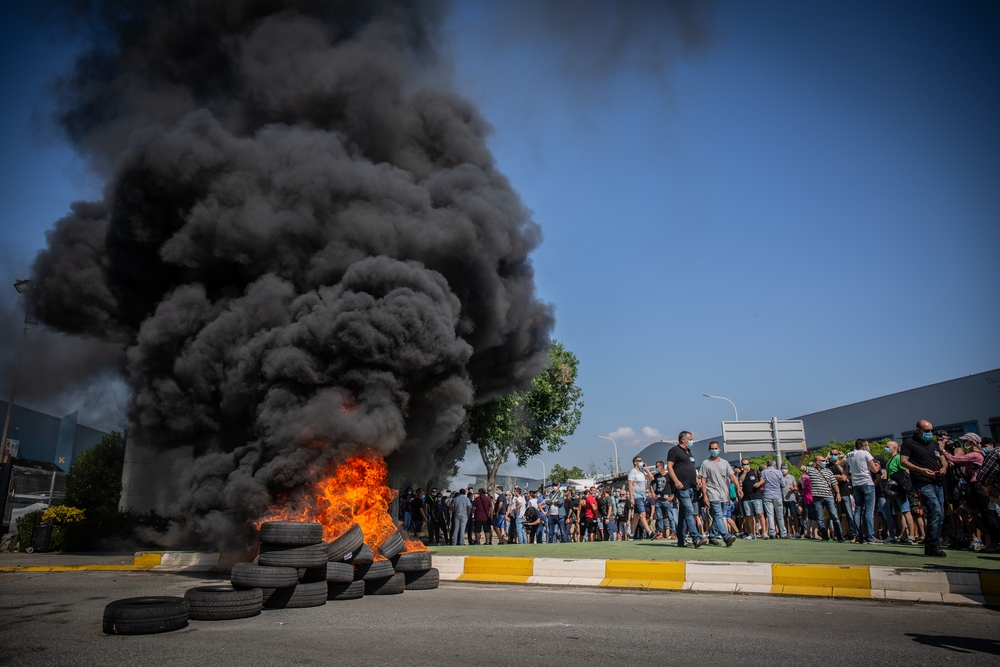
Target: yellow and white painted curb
<point>149,561</point>
<point>971,587</point>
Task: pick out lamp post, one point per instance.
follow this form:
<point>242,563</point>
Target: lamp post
<point>723,398</point>
<point>509,487</point>
<point>6,464</point>
<point>616,451</point>
<point>543,473</point>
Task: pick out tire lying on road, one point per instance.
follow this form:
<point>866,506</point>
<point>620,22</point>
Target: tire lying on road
<point>223,603</point>
<point>339,573</point>
<point>298,596</point>
<point>145,615</point>
<point>412,561</point>
<point>343,591</point>
<point>380,569</point>
<point>392,545</point>
<point>345,547</point>
<point>364,556</point>
<point>393,585</point>
<point>291,533</point>
<point>422,581</point>
<point>312,555</point>
<point>252,575</point>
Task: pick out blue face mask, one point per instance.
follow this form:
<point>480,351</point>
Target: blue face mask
<point>822,464</point>
<point>833,457</point>
<point>713,453</point>
<point>927,436</point>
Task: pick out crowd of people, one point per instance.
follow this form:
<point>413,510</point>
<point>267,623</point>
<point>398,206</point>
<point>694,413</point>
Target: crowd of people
<point>931,490</point>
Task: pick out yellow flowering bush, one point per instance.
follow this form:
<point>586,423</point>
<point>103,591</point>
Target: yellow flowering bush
<point>63,515</point>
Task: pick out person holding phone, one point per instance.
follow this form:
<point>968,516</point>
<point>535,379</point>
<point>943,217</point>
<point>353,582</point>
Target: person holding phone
<point>638,477</point>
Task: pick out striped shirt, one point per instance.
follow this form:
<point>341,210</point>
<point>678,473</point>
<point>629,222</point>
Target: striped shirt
<point>823,482</point>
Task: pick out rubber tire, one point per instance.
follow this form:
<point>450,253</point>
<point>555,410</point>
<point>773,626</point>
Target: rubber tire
<point>298,596</point>
<point>252,575</point>
<point>393,585</point>
<point>415,561</point>
<point>380,569</point>
<point>392,545</point>
<point>223,603</point>
<point>365,556</point>
<point>345,548</point>
<point>145,616</point>
<point>310,575</point>
<point>339,573</point>
<point>341,591</point>
<point>291,533</point>
<point>422,581</point>
<point>312,555</point>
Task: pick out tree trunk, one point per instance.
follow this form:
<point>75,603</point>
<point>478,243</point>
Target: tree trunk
<point>492,467</point>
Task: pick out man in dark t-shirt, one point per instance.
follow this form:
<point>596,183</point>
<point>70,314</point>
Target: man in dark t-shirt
<point>684,478</point>
<point>417,513</point>
<point>500,516</point>
<point>753,501</point>
<point>663,494</point>
<point>921,455</point>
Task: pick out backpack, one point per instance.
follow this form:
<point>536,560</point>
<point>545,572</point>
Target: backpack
<point>990,471</point>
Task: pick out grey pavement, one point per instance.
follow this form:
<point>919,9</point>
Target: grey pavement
<point>55,619</point>
<point>60,558</point>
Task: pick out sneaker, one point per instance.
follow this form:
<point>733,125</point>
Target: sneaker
<point>975,545</point>
<point>686,546</point>
<point>890,540</point>
<point>700,543</point>
<point>748,537</point>
<point>764,537</point>
<point>908,541</point>
<point>992,549</point>
<point>715,543</point>
<point>937,552</point>
<point>875,541</point>
<point>730,540</point>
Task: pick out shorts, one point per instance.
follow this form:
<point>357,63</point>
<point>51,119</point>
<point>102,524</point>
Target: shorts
<point>499,522</point>
<point>901,504</point>
<point>730,506</point>
<point>482,526</point>
<point>640,504</point>
<point>811,513</point>
<point>791,508</point>
<point>590,525</point>
<point>751,507</point>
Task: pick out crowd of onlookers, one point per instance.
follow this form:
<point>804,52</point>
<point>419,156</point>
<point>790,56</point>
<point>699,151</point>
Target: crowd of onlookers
<point>930,489</point>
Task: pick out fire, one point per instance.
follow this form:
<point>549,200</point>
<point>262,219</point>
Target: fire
<point>353,492</point>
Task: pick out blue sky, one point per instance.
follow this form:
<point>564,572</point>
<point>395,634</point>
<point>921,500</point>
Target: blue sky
<point>802,214</point>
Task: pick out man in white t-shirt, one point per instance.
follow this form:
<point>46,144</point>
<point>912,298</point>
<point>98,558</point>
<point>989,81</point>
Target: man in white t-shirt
<point>462,508</point>
<point>517,508</point>
<point>638,476</point>
<point>862,465</point>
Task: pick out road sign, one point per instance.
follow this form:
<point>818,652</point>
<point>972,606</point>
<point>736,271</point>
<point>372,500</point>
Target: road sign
<point>763,436</point>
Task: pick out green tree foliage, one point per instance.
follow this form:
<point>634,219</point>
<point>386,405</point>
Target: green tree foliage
<point>559,475</point>
<point>877,448</point>
<point>94,483</point>
<point>523,423</point>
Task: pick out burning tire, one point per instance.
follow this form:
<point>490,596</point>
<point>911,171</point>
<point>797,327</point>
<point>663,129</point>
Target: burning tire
<point>345,547</point>
<point>339,573</point>
<point>298,596</point>
<point>380,569</point>
<point>392,545</point>
<point>291,533</point>
<point>393,585</point>
<point>145,616</point>
<point>364,556</point>
<point>422,581</point>
<point>252,575</point>
<point>342,591</point>
<point>414,561</point>
<point>223,603</point>
<point>279,555</point>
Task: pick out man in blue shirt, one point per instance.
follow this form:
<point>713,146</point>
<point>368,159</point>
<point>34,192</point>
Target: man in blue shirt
<point>774,482</point>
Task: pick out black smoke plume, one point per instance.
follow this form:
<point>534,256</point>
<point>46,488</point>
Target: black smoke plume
<point>304,246</point>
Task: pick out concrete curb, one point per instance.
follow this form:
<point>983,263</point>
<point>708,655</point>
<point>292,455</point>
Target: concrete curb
<point>947,586</point>
<point>956,586</point>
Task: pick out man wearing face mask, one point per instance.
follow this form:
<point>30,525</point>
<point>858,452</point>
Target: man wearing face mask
<point>838,466</point>
<point>683,475</point>
<point>921,456</point>
<point>717,474</point>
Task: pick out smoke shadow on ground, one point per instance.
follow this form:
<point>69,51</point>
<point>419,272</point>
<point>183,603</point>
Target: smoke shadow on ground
<point>958,644</point>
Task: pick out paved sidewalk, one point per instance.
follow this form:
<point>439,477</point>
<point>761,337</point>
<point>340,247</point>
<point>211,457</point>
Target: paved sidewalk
<point>8,560</point>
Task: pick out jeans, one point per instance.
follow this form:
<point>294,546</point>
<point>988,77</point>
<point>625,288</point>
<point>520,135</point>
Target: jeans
<point>564,527</point>
<point>830,505</point>
<point>552,528</point>
<point>932,496</point>
<point>662,515</point>
<point>718,520</point>
<point>458,533</point>
<point>522,537</point>
<point>885,509</point>
<point>773,512</point>
<point>864,512</point>
<point>848,504</point>
<point>685,522</point>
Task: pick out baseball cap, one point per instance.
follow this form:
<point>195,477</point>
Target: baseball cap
<point>973,438</point>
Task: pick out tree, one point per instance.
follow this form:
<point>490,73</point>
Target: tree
<point>94,483</point>
<point>559,475</point>
<point>521,424</point>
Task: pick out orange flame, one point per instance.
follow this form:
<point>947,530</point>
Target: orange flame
<point>354,492</point>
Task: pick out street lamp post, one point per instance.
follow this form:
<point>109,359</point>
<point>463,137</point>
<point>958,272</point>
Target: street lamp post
<point>616,451</point>
<point>543,473</point>
<point>723,398</point>
<point>5,463</point>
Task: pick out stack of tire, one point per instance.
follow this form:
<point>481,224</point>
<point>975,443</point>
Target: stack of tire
<point>291,570</point>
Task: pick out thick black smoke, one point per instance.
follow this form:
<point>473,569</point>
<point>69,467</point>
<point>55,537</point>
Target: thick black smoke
<point>304,245</point>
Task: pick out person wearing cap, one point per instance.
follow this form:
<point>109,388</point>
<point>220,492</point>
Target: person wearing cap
<point>976,499</point>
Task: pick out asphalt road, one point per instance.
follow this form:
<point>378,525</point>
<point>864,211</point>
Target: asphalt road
<point>55,619</point>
